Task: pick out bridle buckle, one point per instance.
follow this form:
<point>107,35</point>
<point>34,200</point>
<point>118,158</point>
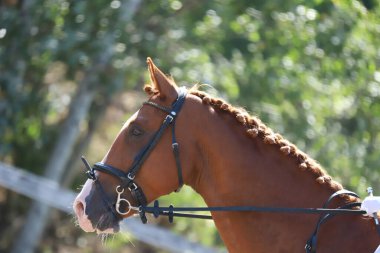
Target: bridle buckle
<point>133,186</point>
<point>91,174</point>
<point>169,118</point>
<point>130,177</point>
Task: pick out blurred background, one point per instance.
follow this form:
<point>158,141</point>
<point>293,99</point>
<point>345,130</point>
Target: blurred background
<point>71,72</point>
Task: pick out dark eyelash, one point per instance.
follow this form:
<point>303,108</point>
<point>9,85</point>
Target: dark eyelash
<point>136,131</point>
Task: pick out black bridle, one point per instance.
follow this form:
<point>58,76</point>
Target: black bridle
<point>127,181</point>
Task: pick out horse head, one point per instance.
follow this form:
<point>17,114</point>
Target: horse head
<point>140,165</point>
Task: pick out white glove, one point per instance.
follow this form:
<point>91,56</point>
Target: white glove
<point>371,205</point>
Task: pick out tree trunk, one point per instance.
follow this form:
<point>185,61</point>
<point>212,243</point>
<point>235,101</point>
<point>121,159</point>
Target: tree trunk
<point>74,161</point>
<point>39,213</point>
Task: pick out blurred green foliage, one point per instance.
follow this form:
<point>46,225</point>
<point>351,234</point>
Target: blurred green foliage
<point>309,69</point>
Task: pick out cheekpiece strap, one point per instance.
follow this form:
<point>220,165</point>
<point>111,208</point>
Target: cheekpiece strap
<point>169,120</point>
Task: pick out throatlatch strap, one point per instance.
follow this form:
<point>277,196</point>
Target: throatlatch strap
<point>179,167</point>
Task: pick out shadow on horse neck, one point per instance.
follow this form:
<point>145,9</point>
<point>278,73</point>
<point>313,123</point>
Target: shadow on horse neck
<point>240,161</point>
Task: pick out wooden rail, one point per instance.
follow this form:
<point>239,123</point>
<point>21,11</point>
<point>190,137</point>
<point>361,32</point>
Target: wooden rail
<point>50,193</point>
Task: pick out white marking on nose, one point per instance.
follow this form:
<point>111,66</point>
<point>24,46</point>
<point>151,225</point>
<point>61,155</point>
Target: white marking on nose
<point>80,207</point>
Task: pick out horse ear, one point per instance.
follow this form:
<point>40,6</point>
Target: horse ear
<point>166,87</point>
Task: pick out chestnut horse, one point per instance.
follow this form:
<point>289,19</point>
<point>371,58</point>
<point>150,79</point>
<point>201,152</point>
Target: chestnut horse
<point>231,159</point>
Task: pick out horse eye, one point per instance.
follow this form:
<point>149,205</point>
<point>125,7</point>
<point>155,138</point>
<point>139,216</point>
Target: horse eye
<point>136,132</point>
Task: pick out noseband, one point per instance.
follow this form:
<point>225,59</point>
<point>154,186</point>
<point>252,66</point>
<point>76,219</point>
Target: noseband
<point>127,179</point>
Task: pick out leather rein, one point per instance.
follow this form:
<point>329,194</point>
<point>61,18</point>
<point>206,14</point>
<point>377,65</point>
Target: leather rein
<point>127,182</point>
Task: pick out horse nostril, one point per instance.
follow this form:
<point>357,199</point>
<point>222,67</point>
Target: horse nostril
<point>79,208</point>
<point>84,222</point>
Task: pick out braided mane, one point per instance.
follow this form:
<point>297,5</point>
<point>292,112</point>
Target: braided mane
<point>256,129</point>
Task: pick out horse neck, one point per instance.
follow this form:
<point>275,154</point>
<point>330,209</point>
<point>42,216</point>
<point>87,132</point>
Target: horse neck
<point>235,169</point>
<point>243,170</point>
